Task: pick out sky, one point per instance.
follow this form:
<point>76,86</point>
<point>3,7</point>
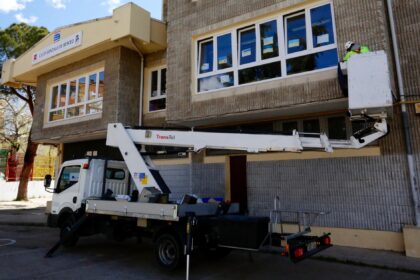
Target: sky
<point>56,13</point>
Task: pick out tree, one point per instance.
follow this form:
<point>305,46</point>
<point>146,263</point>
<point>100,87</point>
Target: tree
<point>14,41</point>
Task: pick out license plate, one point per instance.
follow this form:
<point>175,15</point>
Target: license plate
<point>311,246</point>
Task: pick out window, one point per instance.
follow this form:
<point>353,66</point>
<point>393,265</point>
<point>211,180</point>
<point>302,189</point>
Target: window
<point>336,127</point>
<point>288,44</point>
<point>115,174</point>
<point>69,176</point>
<point>77,97</point>
<point>157,92</point>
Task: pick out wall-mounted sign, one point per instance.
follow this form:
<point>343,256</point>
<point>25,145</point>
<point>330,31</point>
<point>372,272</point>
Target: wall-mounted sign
<point>58,47</point>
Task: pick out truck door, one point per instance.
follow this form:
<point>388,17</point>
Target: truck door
<point>66,193</point>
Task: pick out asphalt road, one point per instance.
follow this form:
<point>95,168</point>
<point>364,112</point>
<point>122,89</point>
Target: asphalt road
<point>98,258</point>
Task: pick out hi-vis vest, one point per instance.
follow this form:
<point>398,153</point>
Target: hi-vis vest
<point>363,49</point>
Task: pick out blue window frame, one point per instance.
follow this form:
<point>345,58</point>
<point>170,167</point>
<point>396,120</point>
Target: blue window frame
<point>224,51</point>
<point>322,26</point>
<point>247,45</point>
<point>296,33</point>
<point>206,56</point>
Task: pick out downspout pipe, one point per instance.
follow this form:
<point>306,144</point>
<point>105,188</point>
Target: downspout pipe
<point>405,117</point>
<point>141,80</point>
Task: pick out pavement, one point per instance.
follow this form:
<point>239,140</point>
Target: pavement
<point>28,217</point>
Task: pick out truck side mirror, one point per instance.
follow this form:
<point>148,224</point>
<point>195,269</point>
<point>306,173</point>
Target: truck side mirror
<point>47,181</point>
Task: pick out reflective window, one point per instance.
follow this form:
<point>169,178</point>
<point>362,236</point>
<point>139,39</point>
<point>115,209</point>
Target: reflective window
<point>296,33</point>
<point>337,128</point>
<point>312,62</point>
<point>224,51</point>
<point>206,56</point>
<point>69,99</point>
<point>72,93</point>
<point>101,84</point>
<point>69,176</point>
<point>157,91</point>
<point>322,26</point>
<point>269,40</point>
<point>311,126</point>
<point>115,174</point>
<point>290,126</point>
<point>247,45</point>
<point>63,90</point>
<point>81,90</point>
<point>258,52</point>
<point>260,73</point>
<point>54,97</point>
<point>215,82</point>
<point>92,94</point>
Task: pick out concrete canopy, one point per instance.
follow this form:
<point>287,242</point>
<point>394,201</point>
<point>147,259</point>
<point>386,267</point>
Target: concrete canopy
<point>129,26</point>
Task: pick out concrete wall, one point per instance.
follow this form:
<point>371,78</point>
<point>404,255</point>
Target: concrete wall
<point>121,98</point>
<point>8,190</point>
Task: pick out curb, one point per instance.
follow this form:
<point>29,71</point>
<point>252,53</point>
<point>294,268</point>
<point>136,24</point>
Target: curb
<point>361,263</point>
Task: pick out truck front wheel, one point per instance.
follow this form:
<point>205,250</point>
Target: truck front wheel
<point>168,251</point>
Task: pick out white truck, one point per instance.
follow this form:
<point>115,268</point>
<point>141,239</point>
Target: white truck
<point>129,198</point>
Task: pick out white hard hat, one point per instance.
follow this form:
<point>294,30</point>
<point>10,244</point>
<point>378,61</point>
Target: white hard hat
<point>348,45</point>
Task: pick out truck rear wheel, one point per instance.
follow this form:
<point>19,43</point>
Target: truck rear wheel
<point>168,251</point>
<point>65,228</point>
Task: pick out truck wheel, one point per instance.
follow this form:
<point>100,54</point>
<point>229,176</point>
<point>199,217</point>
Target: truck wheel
<point>65,227</point>
<point>168,251</point>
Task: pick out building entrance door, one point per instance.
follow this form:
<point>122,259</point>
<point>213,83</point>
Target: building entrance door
<point>238,182</point>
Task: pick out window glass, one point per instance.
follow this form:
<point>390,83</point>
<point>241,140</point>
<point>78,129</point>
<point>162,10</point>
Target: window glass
<point>115,174</point>
<point>322,26</point>
<point>56,115</point>
<point>72,93</point>
<point>224,51</point>
<point>54,97</point>
<point>247,45</point>
<point>296,33</point>
<point>93,108</point>
<point>154,85</point>
<point>311,126</point>
<point>290,126</point>
<point>157,104</point>
<point>76,111</point>
<point>92,87</point>
<point>269,40</point>
<point>215,82</point>
<point>206,56</point>
<point>69,176</point>
<point>81,90</point>
<point>101,86</point>
<point>337,128</point>
<point>259,73</point>
<point>163,82</point>
<point>63,88</point>
<point>312,62</point>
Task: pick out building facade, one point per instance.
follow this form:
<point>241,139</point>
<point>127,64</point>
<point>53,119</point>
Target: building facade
<point>244,65</point>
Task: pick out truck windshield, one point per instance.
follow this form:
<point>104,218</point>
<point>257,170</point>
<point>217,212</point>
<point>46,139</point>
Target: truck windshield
<point>69,176</point>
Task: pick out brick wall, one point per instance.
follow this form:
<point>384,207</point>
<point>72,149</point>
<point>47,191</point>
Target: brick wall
<point>358,20</point>
<point>121,99</point>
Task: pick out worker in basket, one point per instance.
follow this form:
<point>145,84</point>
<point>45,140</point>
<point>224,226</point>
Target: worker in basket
<point>351,49</point>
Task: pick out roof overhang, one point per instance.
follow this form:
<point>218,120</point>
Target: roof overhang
<point>128,24</point>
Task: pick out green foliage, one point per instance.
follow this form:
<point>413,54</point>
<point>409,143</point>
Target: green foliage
<point>18,38</point>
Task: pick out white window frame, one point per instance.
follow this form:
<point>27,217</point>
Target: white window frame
<point>159,90</point>
<point>77,103</point>
<point>282,46</point>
